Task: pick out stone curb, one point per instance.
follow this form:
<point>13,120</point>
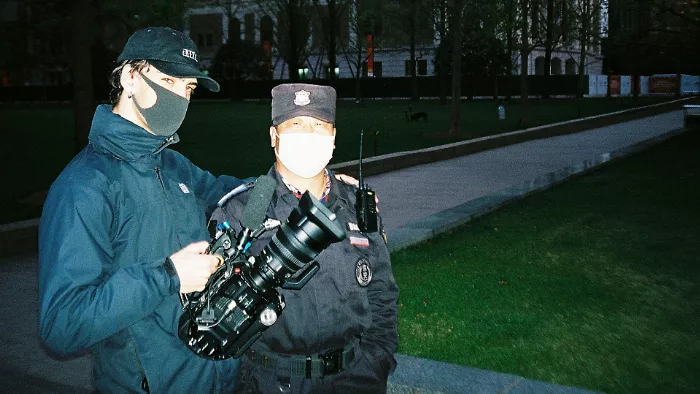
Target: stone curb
<point>421,376</point>
<point>22,236</point>
<point>16,381</point>
<point>19,237</point>
<point>395,161</point>
<point>423,229</point>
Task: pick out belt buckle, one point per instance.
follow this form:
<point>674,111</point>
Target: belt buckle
<point>332,361</point>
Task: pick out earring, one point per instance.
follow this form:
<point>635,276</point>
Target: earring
<point>130,94</point>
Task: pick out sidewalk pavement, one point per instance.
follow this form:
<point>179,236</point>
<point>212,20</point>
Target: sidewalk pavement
<point>416,203</point>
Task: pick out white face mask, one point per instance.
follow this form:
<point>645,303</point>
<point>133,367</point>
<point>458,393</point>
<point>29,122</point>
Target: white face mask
<point>304,154</point>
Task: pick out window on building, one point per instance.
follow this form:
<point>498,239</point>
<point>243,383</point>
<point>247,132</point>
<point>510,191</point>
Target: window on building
<point>249,22</point>
<point>266,28</point>
<point>200,40</point>
<point>556,66</point>
<point>337,71</point>
<point>422,67</point>
<point>234,30</point>
<point>303,73</point>
<point>539,65</point>
<point>377,69</point>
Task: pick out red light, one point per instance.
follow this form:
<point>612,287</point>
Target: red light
<point>237,270</point>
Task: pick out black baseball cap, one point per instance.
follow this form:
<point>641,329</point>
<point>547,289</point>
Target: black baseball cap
<point>290,100</point>
<point>170,51</point>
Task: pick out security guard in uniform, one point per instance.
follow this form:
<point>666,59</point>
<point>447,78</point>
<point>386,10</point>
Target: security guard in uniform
<point>338,333</point>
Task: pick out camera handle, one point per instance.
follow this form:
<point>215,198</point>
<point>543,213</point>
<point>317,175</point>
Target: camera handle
<point>303,277</point>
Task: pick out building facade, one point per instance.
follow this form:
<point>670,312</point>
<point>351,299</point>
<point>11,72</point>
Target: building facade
<point>213,23</point>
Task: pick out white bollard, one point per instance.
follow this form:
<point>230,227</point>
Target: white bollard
<point>501,112</point>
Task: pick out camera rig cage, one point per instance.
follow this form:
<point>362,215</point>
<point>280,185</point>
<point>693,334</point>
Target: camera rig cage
<point>241,300</point>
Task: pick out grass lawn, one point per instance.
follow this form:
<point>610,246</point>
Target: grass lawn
<point>595,283</point>
<point>231,138</point>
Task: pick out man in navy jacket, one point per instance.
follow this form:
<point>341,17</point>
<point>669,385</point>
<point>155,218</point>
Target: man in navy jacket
<point>123,228</point>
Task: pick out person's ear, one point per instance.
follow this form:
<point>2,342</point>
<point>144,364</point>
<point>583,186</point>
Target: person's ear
<point>127,80</point>
<point>273,136</point>
<point>334,134</point>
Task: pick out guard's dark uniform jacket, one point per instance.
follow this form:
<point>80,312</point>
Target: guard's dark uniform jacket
<point>119,208</point>
<point>341,308</point>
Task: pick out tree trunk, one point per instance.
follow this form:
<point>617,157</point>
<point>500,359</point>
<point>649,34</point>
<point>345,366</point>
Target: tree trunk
<point>331,39</point>
<point>583,43</point>
<point>293,55</point>
<point>442,66</point>
<point>456,67</point>
<point>509,43</point>
<point>524,51</point>
<point>414,80</point>
<point>549,47</point>
<point>83,95</point>
<point>358,71</point>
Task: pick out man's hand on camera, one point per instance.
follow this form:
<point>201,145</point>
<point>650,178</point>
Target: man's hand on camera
<point>194,267</point>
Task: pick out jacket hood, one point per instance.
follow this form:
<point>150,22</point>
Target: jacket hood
<point>110,133</point>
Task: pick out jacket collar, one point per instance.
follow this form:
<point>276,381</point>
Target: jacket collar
<point>110,133</point>
<point>282,191</point>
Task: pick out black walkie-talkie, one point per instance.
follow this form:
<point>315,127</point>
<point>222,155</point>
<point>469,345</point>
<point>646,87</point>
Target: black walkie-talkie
<point>366,205</point>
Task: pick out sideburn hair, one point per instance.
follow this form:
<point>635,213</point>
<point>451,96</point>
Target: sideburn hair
<point>116,88</point>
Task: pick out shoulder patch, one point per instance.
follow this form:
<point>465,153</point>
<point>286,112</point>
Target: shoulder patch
<point>345,179</point>
<point>238,190</point>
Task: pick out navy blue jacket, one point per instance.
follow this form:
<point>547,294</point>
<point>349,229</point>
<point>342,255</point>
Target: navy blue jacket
<point>111,218</point>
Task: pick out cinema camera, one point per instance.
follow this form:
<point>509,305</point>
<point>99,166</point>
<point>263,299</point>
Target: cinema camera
<point>241,300</point>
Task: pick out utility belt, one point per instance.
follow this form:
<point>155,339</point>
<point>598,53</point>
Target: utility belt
<point>315,366</point>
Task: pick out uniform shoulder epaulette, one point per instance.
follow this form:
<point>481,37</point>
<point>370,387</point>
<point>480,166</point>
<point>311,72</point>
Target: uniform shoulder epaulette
<point>236,191</point>
<point>342,181</point>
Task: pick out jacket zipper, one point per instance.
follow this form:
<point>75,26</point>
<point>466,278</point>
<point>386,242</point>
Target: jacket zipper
<point>167,198</point>
<point>165,143</point>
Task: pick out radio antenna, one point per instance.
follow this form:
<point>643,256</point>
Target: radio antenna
<point>362,133</point>
<point>365,203</point>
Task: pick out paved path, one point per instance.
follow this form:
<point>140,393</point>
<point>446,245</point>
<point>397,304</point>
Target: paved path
<point>416,192</point>
<point>434,194</point>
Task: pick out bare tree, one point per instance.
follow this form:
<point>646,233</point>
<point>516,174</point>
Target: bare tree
<point>549,43</point>
<point>456,26</point>
<point>408,23</point>
<point>333,16</point>
<point>525,48</point>
<point>292,30</point>
<point>511,13</point>
<point>364,19</point>
<point>441,14</point>
<point>587,17</point>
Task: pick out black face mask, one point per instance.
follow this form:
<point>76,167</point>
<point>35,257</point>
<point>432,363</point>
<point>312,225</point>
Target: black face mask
<point>167,114</point>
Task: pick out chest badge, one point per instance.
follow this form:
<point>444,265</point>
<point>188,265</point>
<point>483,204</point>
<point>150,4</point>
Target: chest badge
<point>363,272</point>
<point>359,241</point>
<point>184,188</point>
<point>353,227</point>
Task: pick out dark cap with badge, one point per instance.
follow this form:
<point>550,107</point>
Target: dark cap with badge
<point>168,50</point>
<point>290,100</point>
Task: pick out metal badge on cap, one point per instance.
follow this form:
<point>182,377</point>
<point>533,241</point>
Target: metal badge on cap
<point>302,98</point>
